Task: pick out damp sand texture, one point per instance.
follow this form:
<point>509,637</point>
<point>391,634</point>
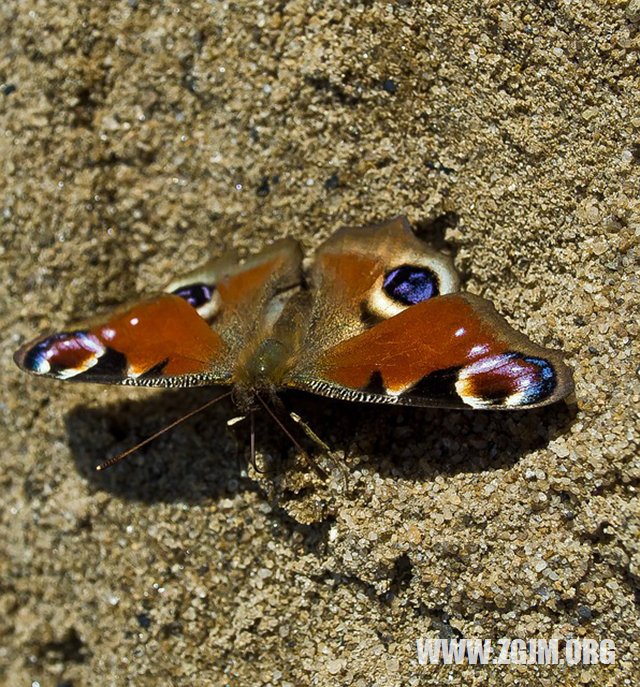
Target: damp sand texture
<point>137,139</point>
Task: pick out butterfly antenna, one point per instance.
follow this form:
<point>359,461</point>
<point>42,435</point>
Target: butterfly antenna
<point>293,440</point>
<point>118,458</point>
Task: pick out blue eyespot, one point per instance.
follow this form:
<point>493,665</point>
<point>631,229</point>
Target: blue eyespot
<point>542,379</point>
<point>410,284</point>
<point>508,380</point>
<point>196,295</point>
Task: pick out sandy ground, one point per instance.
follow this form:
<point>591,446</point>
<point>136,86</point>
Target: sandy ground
<point>137,138</point>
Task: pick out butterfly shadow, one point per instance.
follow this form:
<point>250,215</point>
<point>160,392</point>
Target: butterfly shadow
<point>202,458</point>
<point>197,460</point>
<point>422,443</point>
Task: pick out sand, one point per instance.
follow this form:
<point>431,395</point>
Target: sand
<point>137,139</point>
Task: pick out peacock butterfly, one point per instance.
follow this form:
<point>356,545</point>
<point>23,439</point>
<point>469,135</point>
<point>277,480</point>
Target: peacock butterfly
<point>379,318</point>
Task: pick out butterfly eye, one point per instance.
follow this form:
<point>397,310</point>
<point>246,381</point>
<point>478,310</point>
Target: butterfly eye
<point>410,284</point>
<point>196,295</point>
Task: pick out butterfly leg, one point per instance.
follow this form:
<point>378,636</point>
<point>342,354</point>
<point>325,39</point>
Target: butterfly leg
<point>252,438</point>
<point>252,458</point>
<point>309,432</point>
<point>307,458</point>
<point>317,440</point>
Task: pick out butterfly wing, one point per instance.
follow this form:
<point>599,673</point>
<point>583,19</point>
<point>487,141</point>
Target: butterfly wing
<point>362,276</point>
<point>160,341</point>
<point>451,350</point>
<point>235,296</point>
<point>165,340</point>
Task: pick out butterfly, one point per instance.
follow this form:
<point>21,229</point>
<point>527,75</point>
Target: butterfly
<point>378,318</point>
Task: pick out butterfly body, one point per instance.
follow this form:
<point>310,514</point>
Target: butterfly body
<point>379,318</point>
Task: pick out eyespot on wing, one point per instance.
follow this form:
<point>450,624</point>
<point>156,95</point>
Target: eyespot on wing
<point>452,351</point>
<point>153,341</point>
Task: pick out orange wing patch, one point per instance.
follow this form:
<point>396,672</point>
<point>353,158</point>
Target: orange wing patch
<point>164,328</point>
<point>431,335</point>
<point>452,350</point>
<point>248,285</point>
<point>157,342</point>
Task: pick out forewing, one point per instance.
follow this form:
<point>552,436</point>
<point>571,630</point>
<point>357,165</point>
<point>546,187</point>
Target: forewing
<point>189,336</point>
<point>160,341</point>
<point>451,351</point>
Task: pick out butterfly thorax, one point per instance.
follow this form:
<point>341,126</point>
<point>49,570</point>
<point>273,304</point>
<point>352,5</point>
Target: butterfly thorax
<point>261,370</point>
